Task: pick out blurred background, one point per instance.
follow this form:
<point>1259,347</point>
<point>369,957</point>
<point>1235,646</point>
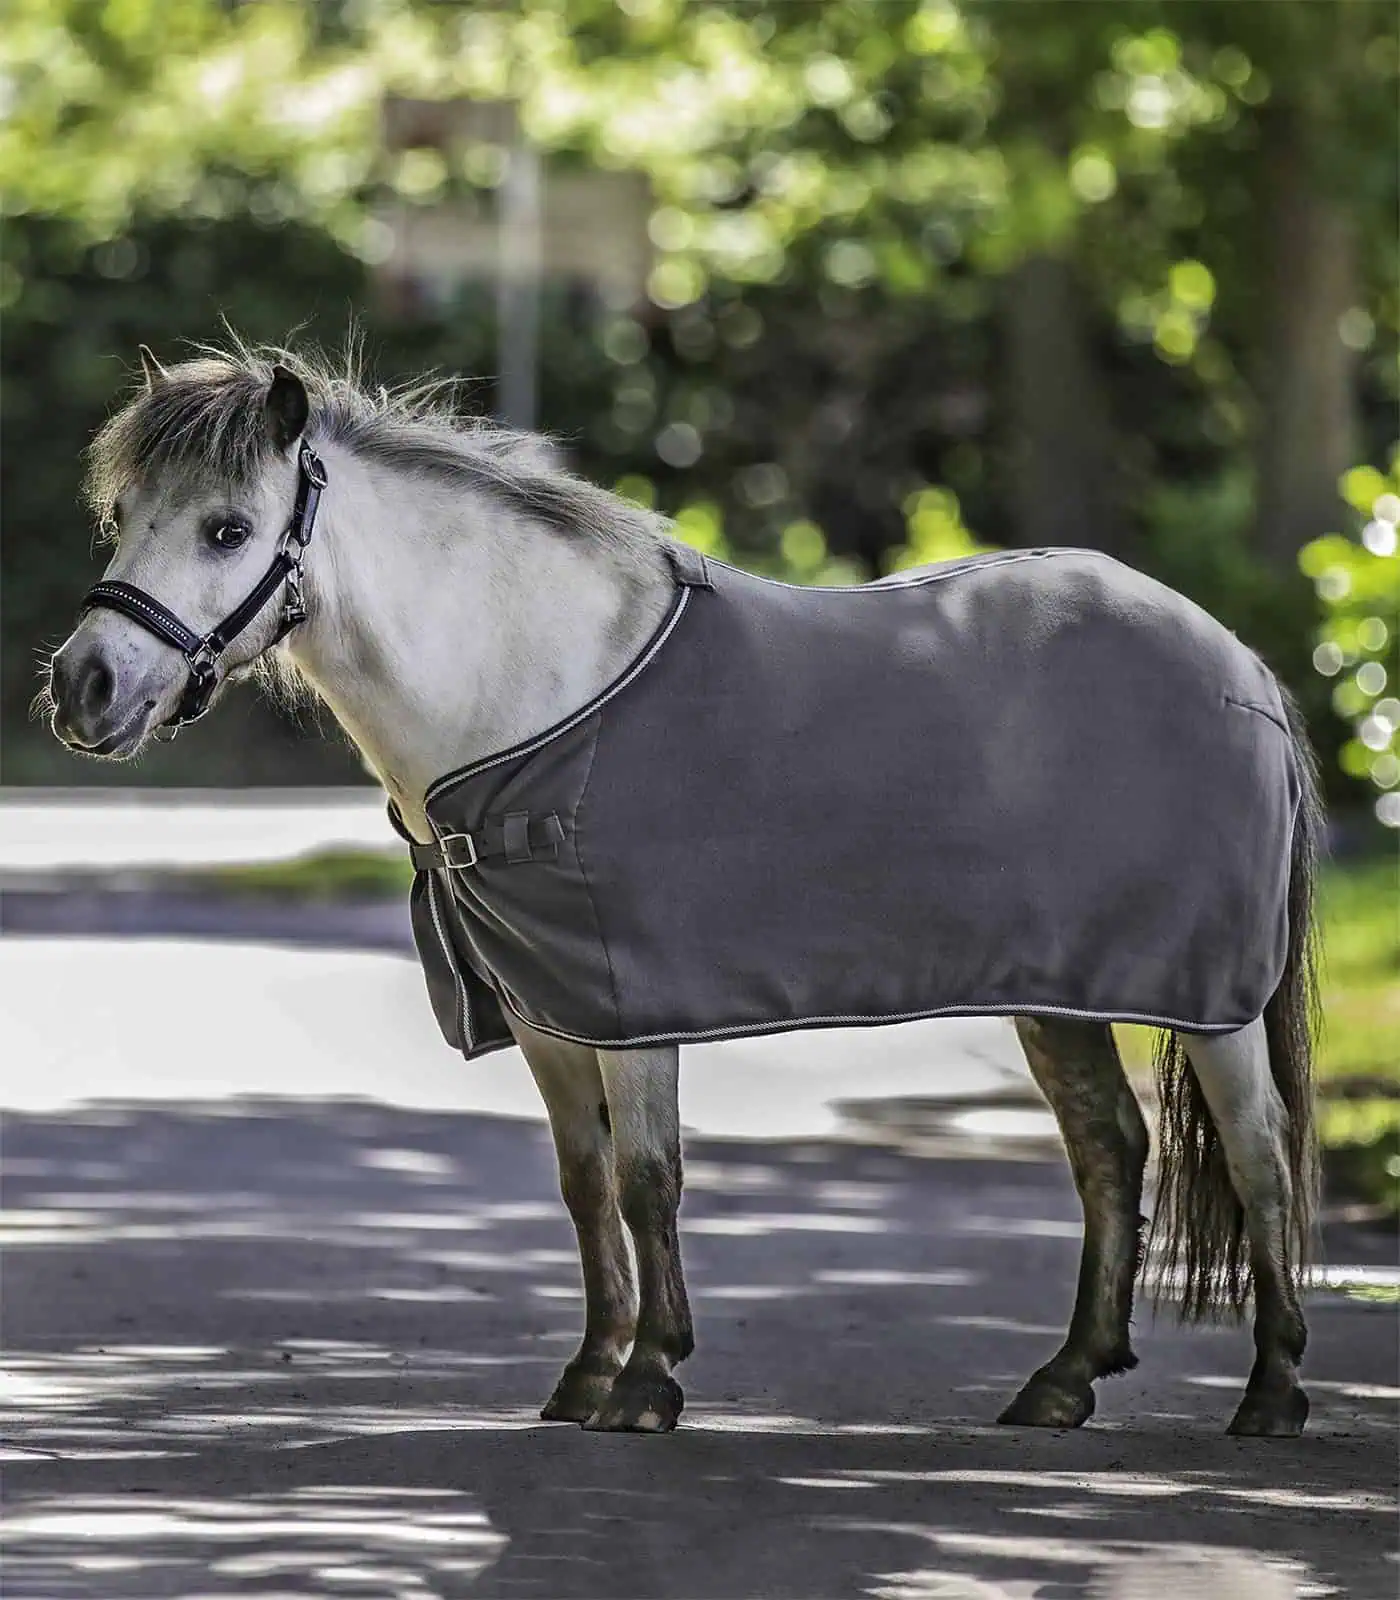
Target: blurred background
<point>841,286</point>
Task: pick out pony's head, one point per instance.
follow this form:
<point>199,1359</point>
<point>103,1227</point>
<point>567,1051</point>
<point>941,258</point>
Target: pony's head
<point>207,480</point>
<point>194,481</point>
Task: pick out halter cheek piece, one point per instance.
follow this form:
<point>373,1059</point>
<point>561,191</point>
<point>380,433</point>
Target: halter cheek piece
<point>202,653</point>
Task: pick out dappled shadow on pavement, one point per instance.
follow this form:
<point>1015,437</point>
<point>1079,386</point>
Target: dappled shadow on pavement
<point>294,1349</point>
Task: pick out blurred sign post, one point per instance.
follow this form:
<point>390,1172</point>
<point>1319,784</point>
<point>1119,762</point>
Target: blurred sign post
<point>578,228</point>
<point>518,277</point>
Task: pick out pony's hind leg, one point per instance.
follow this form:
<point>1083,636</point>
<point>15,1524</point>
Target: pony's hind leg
<point>572,1088</point>
<point>641,1087</point>
<point>1077,1068</point>
<point>1235,1078</point>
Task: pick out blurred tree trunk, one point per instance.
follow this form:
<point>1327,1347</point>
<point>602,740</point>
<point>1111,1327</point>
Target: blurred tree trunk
<point>1060,445</point>
<point>1308,420</point>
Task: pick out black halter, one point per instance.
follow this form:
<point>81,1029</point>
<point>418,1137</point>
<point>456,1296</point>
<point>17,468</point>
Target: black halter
<point>202,652</point>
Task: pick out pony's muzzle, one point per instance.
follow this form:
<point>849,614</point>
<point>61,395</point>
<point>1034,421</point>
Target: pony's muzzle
<point>90,713</point>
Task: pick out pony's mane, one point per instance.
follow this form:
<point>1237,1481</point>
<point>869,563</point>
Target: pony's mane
<point>207,419</point>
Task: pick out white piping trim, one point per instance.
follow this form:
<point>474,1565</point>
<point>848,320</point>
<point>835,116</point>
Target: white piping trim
<point>896,580</point>
<point>752,1030</point>
<point>879,586</point>
<point>560,728</point>
<point>463,1010</point>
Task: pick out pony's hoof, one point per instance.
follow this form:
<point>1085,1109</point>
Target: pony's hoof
<point>639,1405</point>
<point>579,1393</point>
<point>1043,1403</point>
<point>1270,1416</point>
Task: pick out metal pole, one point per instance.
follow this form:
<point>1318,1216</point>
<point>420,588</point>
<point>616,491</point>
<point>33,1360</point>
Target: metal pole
<point>518,287</point>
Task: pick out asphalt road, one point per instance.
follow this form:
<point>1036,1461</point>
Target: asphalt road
<point>286,1349</point>
<point>294,1346</point>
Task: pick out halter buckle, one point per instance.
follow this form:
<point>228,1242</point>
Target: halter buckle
<point>200,688</point>
<point>293,600</point>
<point>312,465</point>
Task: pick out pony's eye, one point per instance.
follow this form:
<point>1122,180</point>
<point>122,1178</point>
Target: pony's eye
<point>228,533</point>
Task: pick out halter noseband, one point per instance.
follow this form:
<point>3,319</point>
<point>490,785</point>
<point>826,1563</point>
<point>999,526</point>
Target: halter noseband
<point>202,652</point>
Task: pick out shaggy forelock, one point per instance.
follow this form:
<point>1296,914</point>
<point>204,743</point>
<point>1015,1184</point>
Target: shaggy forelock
<point>207,420</point>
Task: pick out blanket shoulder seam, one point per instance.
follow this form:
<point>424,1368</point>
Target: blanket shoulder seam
<point>1266,712</point>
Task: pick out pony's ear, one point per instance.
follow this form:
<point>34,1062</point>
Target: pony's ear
<point>287,408</point>
<point>155,373</point>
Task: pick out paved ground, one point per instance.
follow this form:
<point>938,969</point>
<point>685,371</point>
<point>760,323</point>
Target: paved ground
<point>57,831</point>
<point>284,1350</point>
<point>290,1348</point>
<point>194,996</point>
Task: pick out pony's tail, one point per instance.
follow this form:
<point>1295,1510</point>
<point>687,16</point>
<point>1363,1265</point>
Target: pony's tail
<point>1198,1244</point>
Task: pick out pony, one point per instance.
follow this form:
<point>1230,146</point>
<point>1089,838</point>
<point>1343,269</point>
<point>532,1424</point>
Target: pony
<point>451,592</point>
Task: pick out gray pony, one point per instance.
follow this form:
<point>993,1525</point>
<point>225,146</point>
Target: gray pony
<point>652,799</point>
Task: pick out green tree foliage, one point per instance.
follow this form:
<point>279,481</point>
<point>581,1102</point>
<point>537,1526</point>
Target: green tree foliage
<point>1358,586</point>
<point>927,273</point>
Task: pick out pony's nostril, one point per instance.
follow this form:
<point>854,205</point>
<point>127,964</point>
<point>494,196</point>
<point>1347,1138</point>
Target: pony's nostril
<point>97,687</point>
<point>83,692</point>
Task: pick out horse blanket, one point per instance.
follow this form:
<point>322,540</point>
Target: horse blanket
<point>1035,782</point>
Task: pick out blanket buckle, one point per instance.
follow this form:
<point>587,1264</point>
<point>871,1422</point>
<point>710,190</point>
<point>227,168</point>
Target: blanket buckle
<point>449,855</point>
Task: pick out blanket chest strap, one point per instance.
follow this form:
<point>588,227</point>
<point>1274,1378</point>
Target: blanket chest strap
<point>516,839</point>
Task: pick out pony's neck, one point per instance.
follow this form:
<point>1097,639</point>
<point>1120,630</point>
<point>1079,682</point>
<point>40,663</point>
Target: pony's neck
<point>443,627</point>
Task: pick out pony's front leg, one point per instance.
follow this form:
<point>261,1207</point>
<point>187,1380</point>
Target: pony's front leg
<point>1077,1068</point>
<point>641,1090</point>
<point>569,1080</point>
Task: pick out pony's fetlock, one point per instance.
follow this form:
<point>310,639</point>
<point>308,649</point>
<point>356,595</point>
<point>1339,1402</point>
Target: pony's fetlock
<point>1119,1360</point>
